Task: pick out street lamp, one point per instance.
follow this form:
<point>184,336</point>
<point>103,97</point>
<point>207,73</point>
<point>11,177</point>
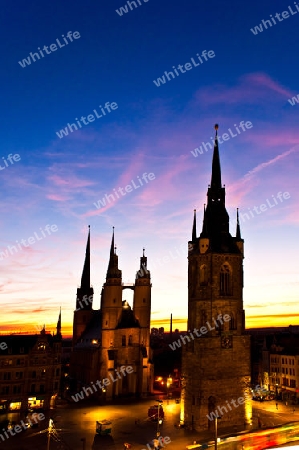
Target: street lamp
<point>50,430</point>
<point>158,422</point>
<point>216,430</point>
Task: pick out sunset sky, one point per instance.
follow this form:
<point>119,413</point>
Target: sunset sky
<point>58,181</point>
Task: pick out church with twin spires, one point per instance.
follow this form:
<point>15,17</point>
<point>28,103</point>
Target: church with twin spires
<point>115,335</point>
<point>216,365</point>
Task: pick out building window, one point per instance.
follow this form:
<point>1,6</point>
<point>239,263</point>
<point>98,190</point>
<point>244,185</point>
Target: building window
<point>33,374</point>
<point>232,322</point>
<point>225,280</point>
<point>6,376</point>
<point>5,390</point>
<point>32,388</point>
<point>123,340</point>
<point>282,370</point>
<point>19,375</point>
<point>42,388</point>
<point>130,340</point>
<point>203,275</point>
<point>292,383</point>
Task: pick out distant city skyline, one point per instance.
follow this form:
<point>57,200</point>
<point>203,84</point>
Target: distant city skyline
<point>60,162</point>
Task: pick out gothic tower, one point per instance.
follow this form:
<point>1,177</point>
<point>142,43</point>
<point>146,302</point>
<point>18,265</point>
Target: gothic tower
<point>83,313</point>
<point>142,312</point>
<point>111,299</point>
<point>216,357</point>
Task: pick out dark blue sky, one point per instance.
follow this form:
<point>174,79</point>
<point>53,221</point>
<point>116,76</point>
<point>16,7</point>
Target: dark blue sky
<point>153,130</point>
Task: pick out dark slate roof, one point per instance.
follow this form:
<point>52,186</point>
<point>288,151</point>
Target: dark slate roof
<point>92,332</point>
<point>26,342</point>
<point>128,319</point>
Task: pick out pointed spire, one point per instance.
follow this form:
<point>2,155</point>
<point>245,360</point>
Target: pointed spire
<point>58,328</point>
<point>113,270</point>
<point>238,231</point>
<point>204,224</point>
<point>112,248</point>
<point>85,279</point>
<point>194,227</point>
<point>216,170</point>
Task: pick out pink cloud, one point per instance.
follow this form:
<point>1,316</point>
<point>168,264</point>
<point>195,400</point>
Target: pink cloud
<point>252,88</point>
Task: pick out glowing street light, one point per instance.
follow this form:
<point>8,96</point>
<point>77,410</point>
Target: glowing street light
<point>160,421</point>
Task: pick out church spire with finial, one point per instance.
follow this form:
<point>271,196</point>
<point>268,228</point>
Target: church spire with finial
<point>143,272</point>
<point>216,170</point>
<point>85,279</point>
<point>85,291</point>
<point>216,219</point>
<point>113,270</point>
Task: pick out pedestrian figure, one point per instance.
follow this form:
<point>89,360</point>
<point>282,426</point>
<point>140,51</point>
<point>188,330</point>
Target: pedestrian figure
<point>276,405</point>
<point>286,403</point>
<point>156,444</point>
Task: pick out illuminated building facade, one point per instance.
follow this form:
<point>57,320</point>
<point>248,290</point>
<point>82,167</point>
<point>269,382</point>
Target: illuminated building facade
<point>216,357</point>
<point>116,335</point>
<point>30,370</point>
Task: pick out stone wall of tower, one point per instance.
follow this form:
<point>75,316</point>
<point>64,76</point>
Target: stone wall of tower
<point>213,374</point>
<point>111,306</point>
<point>142,308</point>
<point>81,320</point>
<point>205,298</point>
<point>222,376</point>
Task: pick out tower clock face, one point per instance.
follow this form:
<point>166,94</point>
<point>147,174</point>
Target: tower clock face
<point>226,342</point>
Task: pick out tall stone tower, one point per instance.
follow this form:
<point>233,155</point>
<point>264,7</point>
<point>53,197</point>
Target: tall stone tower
<point>216,357</point>
<point>111,299</point>
<point>142,311</point>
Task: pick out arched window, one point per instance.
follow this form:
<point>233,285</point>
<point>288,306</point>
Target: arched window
<point>225,280</point>
<point>203,275</point>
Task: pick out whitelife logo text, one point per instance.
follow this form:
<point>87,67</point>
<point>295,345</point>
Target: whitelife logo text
<point>53,47</point>
<point>101,384</point>
<point>110,197</point>
<point>203,330</point>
